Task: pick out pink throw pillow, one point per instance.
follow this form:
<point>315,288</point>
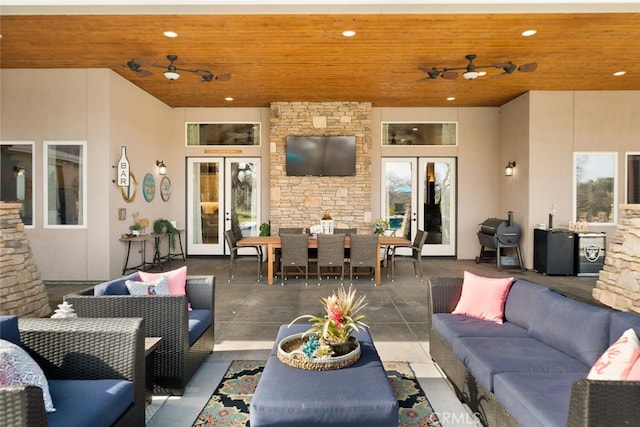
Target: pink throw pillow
<point>616,362</point>
<point>177,279</point>
<point>483,297</point>
<point>634,372</point>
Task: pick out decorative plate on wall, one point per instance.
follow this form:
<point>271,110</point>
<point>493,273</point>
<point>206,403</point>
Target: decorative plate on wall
<point>148,187</point>
<point>165,188</point>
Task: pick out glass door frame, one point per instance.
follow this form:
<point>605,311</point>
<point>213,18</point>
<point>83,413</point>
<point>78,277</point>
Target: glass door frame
<point>419,181</point>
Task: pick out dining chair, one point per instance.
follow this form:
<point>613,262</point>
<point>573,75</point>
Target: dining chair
<point>330,253</point>
<point>294,253</point>
<point>232,242</point>
<point>364,253</point>
<point>415,257</point>
<point>346,232</point>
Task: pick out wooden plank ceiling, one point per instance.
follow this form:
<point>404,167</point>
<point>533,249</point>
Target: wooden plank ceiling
<point>291,57</point>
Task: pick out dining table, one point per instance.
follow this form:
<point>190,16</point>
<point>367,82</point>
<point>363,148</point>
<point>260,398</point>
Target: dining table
<point>273,242</point>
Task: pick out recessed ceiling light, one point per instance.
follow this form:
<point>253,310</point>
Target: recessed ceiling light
<point>348,33</point>
<point>619,73</point>
<point>171,34</point>
<point>451,98</point>
<point>528,33</point>
<point>228,99</point>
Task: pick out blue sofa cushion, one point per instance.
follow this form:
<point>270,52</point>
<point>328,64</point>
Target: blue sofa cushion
<point>92,403</point>
<point>536,399</point>
<point>486,357</point>
<point>199,321</point>
<point>115,286</point>
<point>521,300</point>
<point>573,327</point>
<point>620,322</point>
<point>452,326</point>
<point>9,329</point>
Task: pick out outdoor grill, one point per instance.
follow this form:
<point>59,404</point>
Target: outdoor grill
<point>496,234</point>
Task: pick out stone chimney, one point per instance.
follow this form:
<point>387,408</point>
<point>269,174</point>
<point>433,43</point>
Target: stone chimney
<point>618,285</point>
<point>22,292</point>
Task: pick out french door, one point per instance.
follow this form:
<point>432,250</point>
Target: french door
<point>420,193</point>
<point>222,193</point>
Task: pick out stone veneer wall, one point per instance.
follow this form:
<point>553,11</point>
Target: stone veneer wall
<point>302,201</point>
<point>618,284</point>
<point>22,292</point>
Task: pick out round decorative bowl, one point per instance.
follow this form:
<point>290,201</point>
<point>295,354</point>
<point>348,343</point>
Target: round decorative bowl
<point>290,353</point>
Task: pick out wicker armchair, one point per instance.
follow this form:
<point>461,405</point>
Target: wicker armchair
<point>165,316</point>
<point>78,349</point>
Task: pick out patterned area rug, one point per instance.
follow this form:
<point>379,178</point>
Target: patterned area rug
<point>229,403</point>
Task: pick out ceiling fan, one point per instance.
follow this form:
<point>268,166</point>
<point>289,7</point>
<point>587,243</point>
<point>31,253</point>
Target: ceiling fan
<point>172,71</point>
<point>471,70</point>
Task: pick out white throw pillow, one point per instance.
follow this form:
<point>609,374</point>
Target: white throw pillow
<point>615,363</point>
<point>160,286</point>
<point>18,368</point>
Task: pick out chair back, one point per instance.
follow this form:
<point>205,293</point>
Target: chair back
<point>230,238</point>
<point>345,231</point>
<point>418,242</point>
<point>295,230</point>
<point>330,249</point>
<point>295,249</point>
<point>364,250</point>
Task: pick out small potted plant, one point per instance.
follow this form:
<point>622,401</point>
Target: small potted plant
<point>164,226</point>
<point>340,320</point>
<point>380,226</point>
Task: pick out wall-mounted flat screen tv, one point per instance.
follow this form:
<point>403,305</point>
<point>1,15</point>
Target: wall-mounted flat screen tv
<point>321,155</point>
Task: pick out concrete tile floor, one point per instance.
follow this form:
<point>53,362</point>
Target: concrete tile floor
<point>248,314</point>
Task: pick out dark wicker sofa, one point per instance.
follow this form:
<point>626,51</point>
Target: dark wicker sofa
<point>179,354</point>
<point>531,370</point>
<point>77,356</point>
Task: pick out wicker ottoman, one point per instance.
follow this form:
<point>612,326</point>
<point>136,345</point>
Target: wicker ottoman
<point>358,395</point>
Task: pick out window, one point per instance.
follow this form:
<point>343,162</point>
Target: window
<point>65,183</point>
<point>419,134</point>
<point>633,178</point>
<point>16,176</point>
<point>595,187</point>
<point>223,133</point>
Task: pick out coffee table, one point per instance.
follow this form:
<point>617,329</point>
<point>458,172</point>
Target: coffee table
<point>358,395</point>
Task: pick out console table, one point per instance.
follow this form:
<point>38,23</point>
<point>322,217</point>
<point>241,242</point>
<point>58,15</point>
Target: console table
<point>358,395</point>
<point>142,240</point>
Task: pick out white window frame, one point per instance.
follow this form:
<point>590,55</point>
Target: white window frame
<point>83,183</point>
<point>614,207</point>
<point>33,174</point>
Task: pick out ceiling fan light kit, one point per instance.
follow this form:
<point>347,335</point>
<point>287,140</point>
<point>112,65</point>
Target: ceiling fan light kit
<point>470,71</point>
<point>171,72</point>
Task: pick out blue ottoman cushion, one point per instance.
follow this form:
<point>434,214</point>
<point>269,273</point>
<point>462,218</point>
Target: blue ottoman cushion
<point>358,395</point>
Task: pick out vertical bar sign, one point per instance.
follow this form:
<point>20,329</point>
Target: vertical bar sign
<point>123,169</point>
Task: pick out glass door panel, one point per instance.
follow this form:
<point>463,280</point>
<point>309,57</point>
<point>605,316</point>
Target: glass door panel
<point>399,196</point>
<point>242,213</point>
<point>437,200</point>
<point>204,193</point>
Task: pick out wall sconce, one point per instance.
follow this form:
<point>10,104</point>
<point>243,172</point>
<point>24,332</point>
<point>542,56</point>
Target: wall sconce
<point>508,170</point>
<point>162,168</point>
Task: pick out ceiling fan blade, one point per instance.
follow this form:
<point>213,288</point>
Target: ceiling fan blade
<point>424,79</point>
<point>144,73</point>
<point>527,68</point>
<point>501,65</point>
<point>142,62</point>
<point>449,75</point>
<point>497,76</point>
<point>223,77</point>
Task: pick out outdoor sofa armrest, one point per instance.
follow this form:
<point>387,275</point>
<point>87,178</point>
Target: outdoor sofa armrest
<point>77,348</point>
<point>22,406</point>
<point>444,294</point>
<point>600,403</point>
<point>201,292</point>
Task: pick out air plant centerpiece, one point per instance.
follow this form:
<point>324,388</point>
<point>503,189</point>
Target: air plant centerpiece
<point>333,330</point>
